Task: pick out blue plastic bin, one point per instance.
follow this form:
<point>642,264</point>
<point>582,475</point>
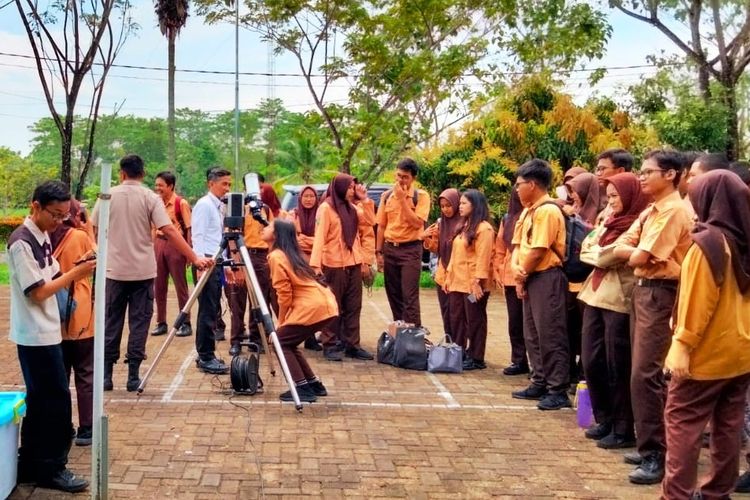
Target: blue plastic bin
<point>12,409</point>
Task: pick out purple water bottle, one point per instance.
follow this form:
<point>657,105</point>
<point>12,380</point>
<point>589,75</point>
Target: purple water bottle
<point>584,413</point>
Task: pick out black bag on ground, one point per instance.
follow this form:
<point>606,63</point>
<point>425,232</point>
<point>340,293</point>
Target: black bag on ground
<point>385,349</point>
<point>409,349</point>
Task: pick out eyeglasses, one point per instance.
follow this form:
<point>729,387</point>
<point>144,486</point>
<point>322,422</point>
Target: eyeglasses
<point>57,217</point>
<point>521,183</point>
<point>646,172</point>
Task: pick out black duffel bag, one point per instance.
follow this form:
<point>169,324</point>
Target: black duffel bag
<point>410,349</point>
<point>385,348</point>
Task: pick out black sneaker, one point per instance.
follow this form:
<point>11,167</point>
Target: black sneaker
<point>333,354</point>
<point>531,392</point>
<point>554,402</point>
<point>358,353</point>
<point>161,329</point>
<point>235,350</point>
<point>64,480</point>
<point>743,483</point>
<point>598,431</point>
<point>213,366</point>
<point>84,436</point>
<point>650,471</point>
<point>616,441</point>
<point>632,458</point>
<point>184,331</point>
<point>516,369</point>
<point>305,393</point>
<point>318,388</point>
<point>313,345</point>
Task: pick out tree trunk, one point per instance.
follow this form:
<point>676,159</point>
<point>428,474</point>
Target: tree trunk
<point>733,129</point>
<point>170,98</point>
<point>66,149</point>
<point>703,83</point>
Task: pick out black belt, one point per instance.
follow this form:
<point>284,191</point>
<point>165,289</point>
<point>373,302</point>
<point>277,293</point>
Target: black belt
<point>257,250</point>
<point>656,283</point>
<point>404,244</point>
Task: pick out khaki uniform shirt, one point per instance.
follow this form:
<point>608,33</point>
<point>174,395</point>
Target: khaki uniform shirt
<point>541,227</point>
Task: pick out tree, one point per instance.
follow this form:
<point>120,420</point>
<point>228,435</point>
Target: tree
<point>409,63</point>
<point>68,39</point>
<point>172,15</point>
<point>18,178</point>
<point>725,25</point>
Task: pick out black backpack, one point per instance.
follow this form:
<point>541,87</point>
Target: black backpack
<point>576,230</point>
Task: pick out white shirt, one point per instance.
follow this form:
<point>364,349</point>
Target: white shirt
<point>208,225</point>
<point>30,266</point>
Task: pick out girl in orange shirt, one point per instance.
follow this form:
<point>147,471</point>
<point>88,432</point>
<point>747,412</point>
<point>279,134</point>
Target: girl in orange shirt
<point>469,278</point>
<point>305,306</point>
<point>304,219</point>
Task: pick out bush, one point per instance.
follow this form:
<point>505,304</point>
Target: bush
<point>8,224</point>
<point>425,281</point>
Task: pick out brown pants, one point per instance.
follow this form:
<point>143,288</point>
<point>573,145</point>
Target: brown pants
<point>346,285</point>
<point>514,306</point>
<point>237,299</point>
<point>169,262</point>
<point>690,406</point>
<point>651,336</point>
<point>469,323</point>
<point>290,337</point>
<point>545,332</point>
<point>402,267</point>
<point>444,304</point>
<point>606,364</point>
<point>78,355</point>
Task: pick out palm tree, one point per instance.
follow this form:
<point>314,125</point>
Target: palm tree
<point>172,15</point>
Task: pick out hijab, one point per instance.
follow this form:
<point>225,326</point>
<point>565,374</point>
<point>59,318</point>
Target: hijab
<point>58,235</point>
<point>268,196</point>
<point>345,210</point>
<point>509,223</point>
<point>306,216</point>
<point>722,205</point>
<point>449,226</point>
<point>586,186</point>
<point>573,172</point>
<point>634,201</point>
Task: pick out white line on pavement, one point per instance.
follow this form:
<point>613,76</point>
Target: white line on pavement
<point>443,391</point>
<point>178,378</point>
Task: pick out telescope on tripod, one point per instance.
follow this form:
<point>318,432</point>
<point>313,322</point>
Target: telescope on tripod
<point>238,206</point>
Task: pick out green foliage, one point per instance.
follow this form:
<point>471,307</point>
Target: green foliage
<point>4,274</point>
<point>18,178</point>
<point>425,281</point>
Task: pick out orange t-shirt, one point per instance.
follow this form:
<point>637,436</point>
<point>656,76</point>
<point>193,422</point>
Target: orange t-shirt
<point>540,226</point>
<point>501,265</point>
<point>329,249</point>
<point>253,230</point>
<point>172,213</point>
<point>392,221</point>
<point>471,262</point>
<point>76,244</point>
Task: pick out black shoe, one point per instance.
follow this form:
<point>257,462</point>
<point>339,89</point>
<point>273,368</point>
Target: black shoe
<point>213,366</point>
<point>84,437</point>
<point>318,388</point>
<point>473,364</point>
<point>632,458</point>
<point>133,379</point>
<point>651,470</point>
<point>305,393</point>
<point>554,402</point>
<point>64,480</point>
<point>108,386</point>
<point>598,431</point>
<point>616,441</point>
<point>333,354</point>
<point>313,345</point>
<point>531,392</point>
<point>743,483</point>
<point>184,331</point>
<point>235,350</point>
<point>219,334</point>
<point>358,353</point>
<point>161,329</point>
<point>516,369</point>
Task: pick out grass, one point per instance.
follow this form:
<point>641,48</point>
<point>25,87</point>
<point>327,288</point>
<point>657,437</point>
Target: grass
<point>4,276</point>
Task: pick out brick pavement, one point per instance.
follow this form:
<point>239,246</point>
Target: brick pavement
<point>383,432</point>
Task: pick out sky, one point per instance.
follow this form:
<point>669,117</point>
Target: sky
<point>211,47</point>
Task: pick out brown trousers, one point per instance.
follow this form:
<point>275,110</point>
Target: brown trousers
<point>78,355</point>
<point>346,285</point>
<point>545,331</point>
<point>169,262</point>
<point>402,267</point>
<point>651,336</point>
<point>469,323</point>
<point>444,304</point>
<point>290,337</point>
<point>691,404</point>
<point>514,306</point>
<point>605,352</point>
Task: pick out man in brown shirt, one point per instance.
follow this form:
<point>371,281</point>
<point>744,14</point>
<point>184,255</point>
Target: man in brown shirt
<point>654,245</point>
<point>399,245</point>
<point>539,243</point>
<point>169,261</point>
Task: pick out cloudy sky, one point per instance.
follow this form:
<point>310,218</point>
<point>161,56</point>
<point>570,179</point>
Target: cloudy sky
<point>203,47</point>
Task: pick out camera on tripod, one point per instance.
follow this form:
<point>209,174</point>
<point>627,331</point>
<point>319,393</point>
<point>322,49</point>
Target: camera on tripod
<point>236,202</point>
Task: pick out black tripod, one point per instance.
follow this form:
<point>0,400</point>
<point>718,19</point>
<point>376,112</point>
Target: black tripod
<point>260,312</point>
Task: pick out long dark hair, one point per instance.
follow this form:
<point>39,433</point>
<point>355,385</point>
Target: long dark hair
<point>480,212</point>
<point>285,235</point>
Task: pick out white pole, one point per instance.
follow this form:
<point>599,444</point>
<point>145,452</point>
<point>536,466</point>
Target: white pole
<point>99,461</point>
<point>237,94</point>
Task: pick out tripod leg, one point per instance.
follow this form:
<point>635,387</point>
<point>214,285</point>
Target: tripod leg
<point>181,318</point>
<point>261,327</point>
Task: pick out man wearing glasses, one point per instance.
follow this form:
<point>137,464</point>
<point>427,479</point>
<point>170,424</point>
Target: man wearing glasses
<point>654,246</point>
<point>611,162</point>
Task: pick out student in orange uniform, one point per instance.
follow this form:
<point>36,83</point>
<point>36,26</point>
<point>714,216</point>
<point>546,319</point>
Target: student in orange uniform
<point>438,239</point>
<point>401,216</point>
<point>305,306</point>
<point>304,219</point>
<point>468,278</point>
<point>503,271</point>
<point>654,246</point>
<point>71,244</point>
<point>339,253</point>
<point>709,357</point>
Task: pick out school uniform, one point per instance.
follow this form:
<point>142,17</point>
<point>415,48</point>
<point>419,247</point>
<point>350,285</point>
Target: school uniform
<point>402,253</point>
<point>169,261</point>
<point>431,244</point>
<point>503,275</point>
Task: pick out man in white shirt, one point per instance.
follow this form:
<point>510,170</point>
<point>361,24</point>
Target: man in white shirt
<point>208,230</point>
<point>35,278</point>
